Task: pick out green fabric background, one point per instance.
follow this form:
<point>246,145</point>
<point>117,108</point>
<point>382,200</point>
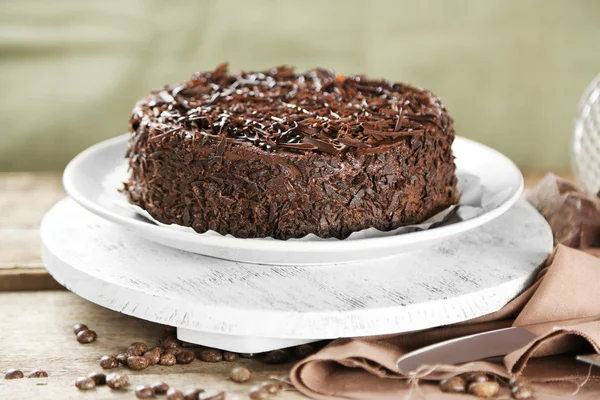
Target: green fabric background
<point>510,72</point>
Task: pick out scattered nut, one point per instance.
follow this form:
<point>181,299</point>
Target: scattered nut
<point>258,393</point>
<point>522,392</point>
<point>13,374</point>
<point>169,342</point>
<point>304,350</point>
<point>455,384</point>
<point>109,362</point>
<point>186,357</point>
<point>517,381</point>
<point>117,381</point>
<point>173,394</point>
<point>173,350</point>
<point>167,360</point>
<point>160,387</point>
<point>229,356</point>
<point>472,377</point>
<point>240,374</point>
<point>484,389</point>
<point>137,349</point>
<point>98,377</point>
<point>247,355</point>
<point>122,358</point>
<point>85,383</point>
<point>211,355</point>
<point>276,357</point>
<point>273,387</point>
<point>186,344</point>
<point>86,336</point>
<point>193,394</point>
<point>79,327</point>
<point>38,373</point>
<point>144,392</point>
<point>153,355</point>
<point>137,363</point>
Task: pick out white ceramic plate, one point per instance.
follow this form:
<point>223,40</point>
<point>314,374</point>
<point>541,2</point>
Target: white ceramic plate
<point>499,184</point>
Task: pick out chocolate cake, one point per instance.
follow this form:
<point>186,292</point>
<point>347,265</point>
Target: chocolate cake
<point>280,154</point>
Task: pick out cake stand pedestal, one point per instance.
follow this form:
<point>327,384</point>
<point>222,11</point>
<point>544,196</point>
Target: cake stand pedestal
<point>253,308</point>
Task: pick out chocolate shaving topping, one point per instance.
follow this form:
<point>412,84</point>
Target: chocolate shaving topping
<point>300,146</point>
<point>399,120</point>
<point>274,108</point>
<point>321,145</point>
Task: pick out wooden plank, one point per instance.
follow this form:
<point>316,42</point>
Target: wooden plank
<point>20,248</point>
<point>27,279</point>
<point>37,333</point>
<point>24,199</point>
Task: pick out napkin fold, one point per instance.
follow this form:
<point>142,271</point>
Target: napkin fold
<point>562,307</point>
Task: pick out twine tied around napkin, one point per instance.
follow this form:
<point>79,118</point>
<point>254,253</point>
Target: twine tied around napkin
<point>562,307</point>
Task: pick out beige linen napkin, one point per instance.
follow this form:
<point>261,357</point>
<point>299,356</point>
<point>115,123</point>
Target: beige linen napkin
<point>562,307</point>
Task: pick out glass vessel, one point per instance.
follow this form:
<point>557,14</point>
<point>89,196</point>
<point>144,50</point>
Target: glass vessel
<point>585,150</point>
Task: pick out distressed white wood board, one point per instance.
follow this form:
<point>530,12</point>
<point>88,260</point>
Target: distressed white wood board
<point>489,183</point>
<point>243,305</point>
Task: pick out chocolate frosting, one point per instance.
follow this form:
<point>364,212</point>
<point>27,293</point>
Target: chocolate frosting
<point>280,154</point>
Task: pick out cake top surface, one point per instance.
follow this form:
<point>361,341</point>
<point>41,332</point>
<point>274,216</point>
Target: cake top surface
<point>280,110</point>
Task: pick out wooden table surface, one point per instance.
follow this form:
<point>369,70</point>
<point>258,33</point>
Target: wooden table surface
<point>37,333</point>
<point>38,315</point>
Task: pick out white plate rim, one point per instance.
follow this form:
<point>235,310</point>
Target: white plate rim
<point>258,244</point>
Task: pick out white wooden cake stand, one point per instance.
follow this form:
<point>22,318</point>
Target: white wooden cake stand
<point>252,308</point>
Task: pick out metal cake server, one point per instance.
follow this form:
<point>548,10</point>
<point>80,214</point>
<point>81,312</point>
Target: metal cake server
<point>593,359</point>
<point>476,347</point>
<point>467,348</point>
